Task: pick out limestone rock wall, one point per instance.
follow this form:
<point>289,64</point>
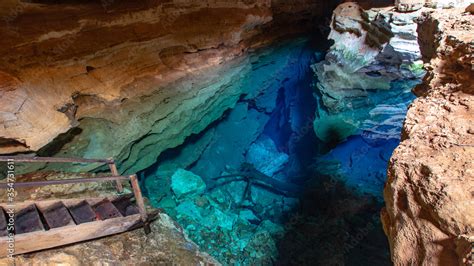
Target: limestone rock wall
<point>372,49</point>
<point>412,5</point>
<point>429,192</point>
<point>101,75</point>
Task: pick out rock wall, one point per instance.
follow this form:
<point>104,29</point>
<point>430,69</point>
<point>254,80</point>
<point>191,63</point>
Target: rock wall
<point>428,216</point>
<point>372,49</point>
<point>101,75</point>
<point>429,192</point>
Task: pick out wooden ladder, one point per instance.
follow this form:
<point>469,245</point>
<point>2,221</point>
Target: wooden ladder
<point>51,223</point>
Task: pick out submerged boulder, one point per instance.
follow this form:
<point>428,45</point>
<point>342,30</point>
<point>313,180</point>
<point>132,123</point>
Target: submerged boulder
<point>266,158</point>
<point>184,183</point>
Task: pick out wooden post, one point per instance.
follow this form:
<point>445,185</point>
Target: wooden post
<point>114,171</point>
<point>141,204</point>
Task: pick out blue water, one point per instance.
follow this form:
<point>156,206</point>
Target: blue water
<point>361,160</point>
<point>339,185</point>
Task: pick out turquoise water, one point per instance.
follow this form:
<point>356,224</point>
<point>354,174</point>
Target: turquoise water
<point>257,187</point>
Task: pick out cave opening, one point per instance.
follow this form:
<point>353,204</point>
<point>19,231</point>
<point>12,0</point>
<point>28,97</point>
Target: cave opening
<point>262,184</point>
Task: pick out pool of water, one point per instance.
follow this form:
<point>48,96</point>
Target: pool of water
<point>259,187</point>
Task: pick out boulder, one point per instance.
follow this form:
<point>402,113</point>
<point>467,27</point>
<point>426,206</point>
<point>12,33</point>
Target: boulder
<point>409,5</point>
<point>184,183</point>
<point>249,216</point>
<point>264,155</point>
<point>275,230</point>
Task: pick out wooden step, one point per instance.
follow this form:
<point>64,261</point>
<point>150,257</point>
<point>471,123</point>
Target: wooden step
<point>28,220</point>
<point>3,223</point>
<point>125,205</point>
<point>82,213</point>
<point>106,210</point>
<point>57,215</point>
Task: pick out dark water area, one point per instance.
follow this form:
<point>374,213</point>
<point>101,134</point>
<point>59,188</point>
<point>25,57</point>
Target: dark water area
<point>257,187</point>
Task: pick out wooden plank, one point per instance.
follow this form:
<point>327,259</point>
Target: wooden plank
<point>64,181</point>
<point>125,205</point>
<point>82,213</point>
<point>28,159</point>
<point>70,234</point>
<point>141,204</point>
<point>57,215</point>
<point>138,196</point>
<point>28,220</point>
<point>114,172</point>
<point>106,210</point>
<point>3,223</point>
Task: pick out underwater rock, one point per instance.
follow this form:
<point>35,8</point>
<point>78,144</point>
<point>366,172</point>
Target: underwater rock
<point>184,183</point>
<point>217,218</point>
<point>276,230</point>
<point>221,153</point>
<point>236,190</point>
<point>261,248</point>
<point>189,209</point>
<point>265,198</point>
<point>249,216</point>
<point>264,155</point>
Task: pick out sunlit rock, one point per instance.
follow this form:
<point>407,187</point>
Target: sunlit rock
<point>428,216</point>
<point>363,63</point>
<point>409,5</point>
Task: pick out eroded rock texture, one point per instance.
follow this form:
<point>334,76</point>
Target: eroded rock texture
<point>429,192</point>
<point>101,75</point>
<point>372,49</point>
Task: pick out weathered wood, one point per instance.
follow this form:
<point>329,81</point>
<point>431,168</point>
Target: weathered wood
<point>28,220</point>
<point>138,196</point>
<point>141,204</point>
<point>114,172</point>
<point>57,215</point>
<point>125,205</point>
<point>40,240</point>
<point>64,181</point>
<point>106,210</point>
<point>27,159</point>
<point>3,223</point>
<point>249,174</point>
<point>69,221</point>
<point>83,213</point>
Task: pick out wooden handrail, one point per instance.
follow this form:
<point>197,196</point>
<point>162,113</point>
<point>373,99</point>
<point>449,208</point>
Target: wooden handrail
<point>64,181</point>
<point>140,203</point>
<point>27,159</point>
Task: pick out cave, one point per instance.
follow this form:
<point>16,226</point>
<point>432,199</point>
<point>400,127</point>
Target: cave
<point>259,132</point>
<point>279,114</point>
